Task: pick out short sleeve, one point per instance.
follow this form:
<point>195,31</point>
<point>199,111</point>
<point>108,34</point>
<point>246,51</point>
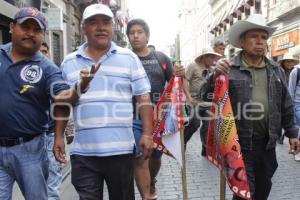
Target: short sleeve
<point>189,72</point>
<point>55,83</point>
<point>169,70</point>
<point>139,80</point>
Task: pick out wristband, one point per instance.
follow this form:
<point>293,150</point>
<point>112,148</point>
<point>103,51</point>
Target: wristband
<point>147,136</point>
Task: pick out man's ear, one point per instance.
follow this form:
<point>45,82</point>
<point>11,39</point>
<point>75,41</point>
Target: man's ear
<point>83,28</point>
<point>242,42</point>
<point>11,27</point>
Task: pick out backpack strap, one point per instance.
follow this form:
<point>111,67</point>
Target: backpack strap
<point>298,76</point>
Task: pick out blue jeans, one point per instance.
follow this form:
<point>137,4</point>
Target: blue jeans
<point>26,163</point>
<point>137,132</point>
<point>55,171</point>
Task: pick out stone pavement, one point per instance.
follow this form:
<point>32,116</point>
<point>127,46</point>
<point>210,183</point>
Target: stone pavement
<point>203,178</point>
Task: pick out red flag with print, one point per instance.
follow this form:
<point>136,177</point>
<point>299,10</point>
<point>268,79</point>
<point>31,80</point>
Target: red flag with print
<point>223,148</point>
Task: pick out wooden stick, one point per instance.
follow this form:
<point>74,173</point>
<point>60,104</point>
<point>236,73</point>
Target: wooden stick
<point>183,169</point>
<point>222,186</point>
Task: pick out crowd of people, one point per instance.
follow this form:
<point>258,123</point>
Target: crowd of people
<point>110,91</point>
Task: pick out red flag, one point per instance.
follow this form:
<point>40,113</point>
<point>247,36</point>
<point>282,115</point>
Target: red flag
<point>223,148</point>
<point>169,120</point>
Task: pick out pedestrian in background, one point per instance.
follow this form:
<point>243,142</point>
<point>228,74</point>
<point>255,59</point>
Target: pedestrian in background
<point>294,90</point>
<point>28,82</point>
<point>159,70</point>
<point>287,63</point>
<point>258,83</point>
<point>102,103</point>
<point>219,47</point>
<point>55,167</point>
<point>196,75</point>
<point>151,47</point>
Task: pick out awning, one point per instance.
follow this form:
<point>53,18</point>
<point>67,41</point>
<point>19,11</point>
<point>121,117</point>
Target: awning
<point>238,8</point>
<point>226,17</point>
<point>232,8</point>
<point>218,21</point>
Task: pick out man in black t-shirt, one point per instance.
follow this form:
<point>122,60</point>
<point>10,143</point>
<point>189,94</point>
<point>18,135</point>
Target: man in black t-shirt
<point>159,70</point>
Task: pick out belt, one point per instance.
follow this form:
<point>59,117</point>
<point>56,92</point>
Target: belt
<point>9,142</point>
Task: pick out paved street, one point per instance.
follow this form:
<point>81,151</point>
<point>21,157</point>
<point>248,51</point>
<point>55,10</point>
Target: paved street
<point>203,178</point>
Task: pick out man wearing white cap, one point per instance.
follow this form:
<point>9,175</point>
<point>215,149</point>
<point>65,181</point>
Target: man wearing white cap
<point>260,102</point>
<point>195,75</point>
<point>103,143</point>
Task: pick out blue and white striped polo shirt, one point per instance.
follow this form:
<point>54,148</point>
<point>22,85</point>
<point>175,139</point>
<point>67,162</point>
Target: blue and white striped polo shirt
<point>103,115</point>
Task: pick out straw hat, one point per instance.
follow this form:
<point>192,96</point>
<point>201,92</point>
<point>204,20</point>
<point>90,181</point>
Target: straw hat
<point>254,21</point>
<point>288,56</point>
<point>205,52</point>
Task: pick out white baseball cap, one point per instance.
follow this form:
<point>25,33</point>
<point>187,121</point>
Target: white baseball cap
<point>96,9</point>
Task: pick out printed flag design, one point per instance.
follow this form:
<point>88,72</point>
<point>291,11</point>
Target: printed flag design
<point>223,148</point>
<point>169,120</point>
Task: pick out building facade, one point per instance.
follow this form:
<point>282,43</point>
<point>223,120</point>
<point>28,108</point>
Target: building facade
<point>284,14</point>
<point>195,19</point>
<point>64,33</point>
<point>203,22</point>
<point>226,13</point>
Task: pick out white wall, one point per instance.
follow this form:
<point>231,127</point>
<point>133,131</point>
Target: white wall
<point>194,32</point>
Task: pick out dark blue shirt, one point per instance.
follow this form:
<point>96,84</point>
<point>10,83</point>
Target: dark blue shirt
<point>26,88</point>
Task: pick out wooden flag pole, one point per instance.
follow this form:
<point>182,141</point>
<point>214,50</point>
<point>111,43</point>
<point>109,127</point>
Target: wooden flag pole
<point>183,168</point>
<point>222,186</point>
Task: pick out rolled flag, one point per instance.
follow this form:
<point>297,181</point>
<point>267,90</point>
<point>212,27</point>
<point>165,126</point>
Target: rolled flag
<point>223,148</point>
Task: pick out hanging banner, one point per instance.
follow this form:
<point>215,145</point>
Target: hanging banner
<point>223,148</point>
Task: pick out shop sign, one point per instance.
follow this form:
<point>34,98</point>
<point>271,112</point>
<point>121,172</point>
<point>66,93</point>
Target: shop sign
<point>281,43</point>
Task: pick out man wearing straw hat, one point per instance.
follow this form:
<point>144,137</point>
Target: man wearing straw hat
<point>195,75</point>
<point>287,63</point>
<point>260,101</point>
<point>294,90</point>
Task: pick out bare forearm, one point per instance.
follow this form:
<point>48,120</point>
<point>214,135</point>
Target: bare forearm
<point>147,119</point>
<point>61,114</point>
<point>186,90</point>
<point>72,95</point>
<point>146,113</point>
<point>67,96</point>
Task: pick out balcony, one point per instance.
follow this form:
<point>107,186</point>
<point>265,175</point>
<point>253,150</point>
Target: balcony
<point>287,7</point>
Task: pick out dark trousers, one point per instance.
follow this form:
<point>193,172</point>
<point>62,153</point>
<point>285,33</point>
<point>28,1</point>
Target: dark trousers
<point>198,115</point>
<point>89,173</point>
<point>261,165</point>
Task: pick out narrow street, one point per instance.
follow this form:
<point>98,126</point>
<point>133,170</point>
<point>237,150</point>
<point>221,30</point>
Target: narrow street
<point>203,178</point>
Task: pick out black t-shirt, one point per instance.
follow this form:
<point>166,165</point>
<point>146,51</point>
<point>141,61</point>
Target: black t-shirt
<point>159,70</point>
